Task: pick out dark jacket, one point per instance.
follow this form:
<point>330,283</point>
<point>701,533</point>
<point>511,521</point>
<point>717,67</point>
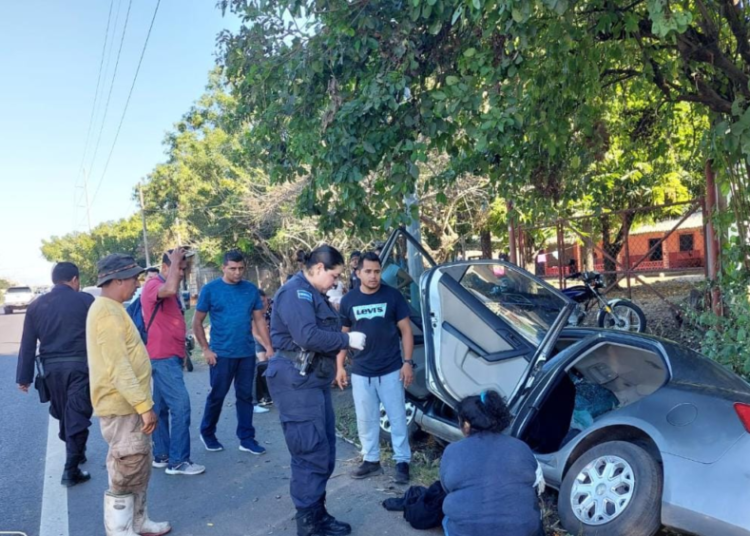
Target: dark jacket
<point>58,321</point>
<point>490,480</point>
<point>303,319</point>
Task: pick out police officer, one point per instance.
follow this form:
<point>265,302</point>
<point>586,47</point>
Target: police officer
<point>58,321</point>
<point>306,334</point>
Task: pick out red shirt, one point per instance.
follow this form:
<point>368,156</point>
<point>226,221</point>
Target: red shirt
<point>166,336</point>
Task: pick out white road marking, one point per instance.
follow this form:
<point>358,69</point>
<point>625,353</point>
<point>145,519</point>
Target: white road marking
<point>54,520</point>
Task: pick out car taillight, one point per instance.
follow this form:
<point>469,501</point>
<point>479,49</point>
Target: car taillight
<point>743,412</point>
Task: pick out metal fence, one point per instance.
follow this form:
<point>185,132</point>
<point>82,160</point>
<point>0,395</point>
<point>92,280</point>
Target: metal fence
<point>656,256</point>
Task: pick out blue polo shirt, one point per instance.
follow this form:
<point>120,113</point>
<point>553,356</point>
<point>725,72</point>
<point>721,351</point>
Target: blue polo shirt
<point>231,310</point>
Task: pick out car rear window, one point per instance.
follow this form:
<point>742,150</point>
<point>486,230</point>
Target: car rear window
<point>18,290</point>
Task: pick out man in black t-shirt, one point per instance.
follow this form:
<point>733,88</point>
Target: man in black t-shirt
<point>379,373</point>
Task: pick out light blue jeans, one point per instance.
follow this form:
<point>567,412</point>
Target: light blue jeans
<point>368,394</point>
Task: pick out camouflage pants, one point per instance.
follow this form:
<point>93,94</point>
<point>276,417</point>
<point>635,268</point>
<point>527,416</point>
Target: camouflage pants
<point>129,456</point>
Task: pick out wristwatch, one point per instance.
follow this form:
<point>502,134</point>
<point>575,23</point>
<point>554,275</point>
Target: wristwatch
<point>409,362</point>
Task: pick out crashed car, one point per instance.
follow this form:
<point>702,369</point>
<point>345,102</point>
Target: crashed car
<point>634,431</point>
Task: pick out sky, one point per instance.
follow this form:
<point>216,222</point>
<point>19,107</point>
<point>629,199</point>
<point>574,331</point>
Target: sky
<point>50,54</point>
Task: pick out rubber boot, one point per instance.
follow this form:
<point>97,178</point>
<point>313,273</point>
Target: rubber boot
<point>141,523</point>
<point>118,514</point>
<point>308,523</point>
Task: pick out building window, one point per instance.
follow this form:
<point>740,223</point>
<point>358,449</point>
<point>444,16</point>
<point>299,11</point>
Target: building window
<point>686,242</point>
<point>658,253</point>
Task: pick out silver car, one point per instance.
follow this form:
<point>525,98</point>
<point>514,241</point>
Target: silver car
<point>634,431</point>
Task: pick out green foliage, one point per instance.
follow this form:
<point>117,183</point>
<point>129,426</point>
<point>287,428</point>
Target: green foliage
<point>85,249</point>
<point>727,338</point>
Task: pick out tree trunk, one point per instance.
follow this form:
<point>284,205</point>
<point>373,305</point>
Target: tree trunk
<point>485,239</point>
<point>613,247</point>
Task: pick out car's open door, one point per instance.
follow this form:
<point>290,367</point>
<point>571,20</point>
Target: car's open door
<point>403,261</point>
<point>488,325</point>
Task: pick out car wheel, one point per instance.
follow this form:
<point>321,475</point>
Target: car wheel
<point>614,489</point>
<point>385,423</point>
<point>8,311</point>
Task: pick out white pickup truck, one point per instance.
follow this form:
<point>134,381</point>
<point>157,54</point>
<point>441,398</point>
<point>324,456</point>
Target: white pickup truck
<point>18,298</point>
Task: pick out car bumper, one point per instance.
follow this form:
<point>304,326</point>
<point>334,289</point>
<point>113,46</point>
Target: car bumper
<point>709,499</point>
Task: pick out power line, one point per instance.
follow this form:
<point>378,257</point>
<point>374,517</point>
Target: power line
<point>127,102</point>
<point>96,97</point>
<point>111,86</point>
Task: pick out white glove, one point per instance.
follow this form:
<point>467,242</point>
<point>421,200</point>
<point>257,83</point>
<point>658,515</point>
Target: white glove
<point>357,340</point>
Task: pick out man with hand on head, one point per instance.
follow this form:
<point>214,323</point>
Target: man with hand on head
<point>166,347</point>
<point>120,372</point>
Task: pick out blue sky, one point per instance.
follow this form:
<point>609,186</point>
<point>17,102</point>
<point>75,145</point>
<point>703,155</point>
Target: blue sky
<point>49,59</point>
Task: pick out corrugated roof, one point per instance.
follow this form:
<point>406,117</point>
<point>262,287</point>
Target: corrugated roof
<point>694,221</point>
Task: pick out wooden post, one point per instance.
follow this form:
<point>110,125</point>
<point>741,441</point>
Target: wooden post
<point>712,241</point>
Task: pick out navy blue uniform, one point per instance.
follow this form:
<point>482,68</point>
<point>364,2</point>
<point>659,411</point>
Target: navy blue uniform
<point>58,321</point>
<point>303,319</point>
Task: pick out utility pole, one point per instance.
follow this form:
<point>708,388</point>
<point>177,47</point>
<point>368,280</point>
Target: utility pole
<point>143,218</point>
<point>413,257</point>
<point>86,193</point>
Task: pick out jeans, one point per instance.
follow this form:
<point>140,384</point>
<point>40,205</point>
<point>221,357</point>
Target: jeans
<point>171,403</point>
<point>368,394</point>
<point>242,372</point>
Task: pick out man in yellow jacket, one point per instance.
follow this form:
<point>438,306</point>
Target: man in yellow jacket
<point>120,376</point>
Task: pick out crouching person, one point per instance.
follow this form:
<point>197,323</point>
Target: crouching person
<point>120,375</point>
<point>491,479</point>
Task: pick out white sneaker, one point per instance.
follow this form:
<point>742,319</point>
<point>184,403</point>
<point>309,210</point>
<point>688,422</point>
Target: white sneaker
<point>159,464</point>
<point>260,409</point>
<point>186,468</point>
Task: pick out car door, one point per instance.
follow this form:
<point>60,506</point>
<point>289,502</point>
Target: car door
<point>403,261</point>
<point>488,325</point>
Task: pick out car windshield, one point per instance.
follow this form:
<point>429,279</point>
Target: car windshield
<point>18,290</point>
<point>528,305</point>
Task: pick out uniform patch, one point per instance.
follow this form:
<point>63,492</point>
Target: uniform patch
<point>305,295</point>
<point>364,312</point>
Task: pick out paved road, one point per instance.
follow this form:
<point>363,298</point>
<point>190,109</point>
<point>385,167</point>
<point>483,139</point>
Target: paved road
<point>240,494</point>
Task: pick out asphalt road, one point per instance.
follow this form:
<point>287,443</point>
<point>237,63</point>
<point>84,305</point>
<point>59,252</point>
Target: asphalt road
<point>239,495</point>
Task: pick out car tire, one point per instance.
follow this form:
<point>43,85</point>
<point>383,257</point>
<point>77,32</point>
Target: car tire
<point>411,423</point>
<point>8,311</point>
<point>639,492</point>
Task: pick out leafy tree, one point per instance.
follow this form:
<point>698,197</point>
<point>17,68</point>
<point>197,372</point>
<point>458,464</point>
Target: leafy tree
<point>85,249</point>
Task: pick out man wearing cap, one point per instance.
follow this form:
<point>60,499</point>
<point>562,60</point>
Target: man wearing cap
<point>120,372</point>
<point>57,320</point>
<point>166,347</point>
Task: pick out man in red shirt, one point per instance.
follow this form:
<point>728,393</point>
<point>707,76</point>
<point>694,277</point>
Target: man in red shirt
<point>166,348</point>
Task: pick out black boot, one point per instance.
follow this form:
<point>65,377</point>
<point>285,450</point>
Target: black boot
<point>308,522</point>
<point>329,525</point>
<point>72,475</point>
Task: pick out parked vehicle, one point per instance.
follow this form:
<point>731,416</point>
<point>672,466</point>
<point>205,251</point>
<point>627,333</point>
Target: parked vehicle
<point>616,314</point>
<point>17,298</point>
<point>634,431</point>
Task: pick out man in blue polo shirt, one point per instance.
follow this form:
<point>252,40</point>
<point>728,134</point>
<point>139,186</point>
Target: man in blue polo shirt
<point>234,304</point>
<point>379,372</point>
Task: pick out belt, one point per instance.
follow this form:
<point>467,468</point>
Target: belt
<point>302,359</point>
<point>75,359</point>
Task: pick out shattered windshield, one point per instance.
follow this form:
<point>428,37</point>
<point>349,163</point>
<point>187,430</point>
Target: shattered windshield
<point>524,303</point>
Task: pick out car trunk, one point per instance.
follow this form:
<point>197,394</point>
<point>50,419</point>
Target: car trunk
<point>605,378</point>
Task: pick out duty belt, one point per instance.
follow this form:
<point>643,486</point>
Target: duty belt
<point>302,360</point>
<point>72,359</point>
